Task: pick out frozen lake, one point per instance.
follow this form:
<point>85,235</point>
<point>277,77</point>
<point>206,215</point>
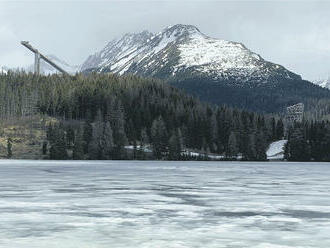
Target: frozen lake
<point>164,204</point>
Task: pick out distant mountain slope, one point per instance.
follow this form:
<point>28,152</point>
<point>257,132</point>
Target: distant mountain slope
<point>323,83</point>
<point>182,51</point>
<point>115,50</point>
<point>217,71</point>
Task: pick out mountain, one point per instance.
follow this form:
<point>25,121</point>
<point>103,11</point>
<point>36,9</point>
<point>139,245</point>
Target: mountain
<point>116,50</point>
<point>323,83</point>
<point>217,71</point>
<point>182,51</point>
<point>46,68</point>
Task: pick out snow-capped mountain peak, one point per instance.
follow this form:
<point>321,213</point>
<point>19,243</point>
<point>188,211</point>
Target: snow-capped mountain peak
<point>182,51</point>
<point>181,30</point>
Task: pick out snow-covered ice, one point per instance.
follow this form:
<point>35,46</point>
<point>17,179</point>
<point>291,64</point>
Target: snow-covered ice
<point>152,204</point>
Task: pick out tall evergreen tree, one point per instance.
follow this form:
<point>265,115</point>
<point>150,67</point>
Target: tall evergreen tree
<point>117,121</point>
<point>107,141</point>
<point>9,148</point>
<point>87,135</point>
<point>159,138</point>
<point>95,150</point>
<point>279,130</point>
<point>58,147</point>
<point>260,146</point>
<point>251,151</point>
<point>297,147</point>
<point>78,147</point>
<point>232,148</point>
<point>175,145</point>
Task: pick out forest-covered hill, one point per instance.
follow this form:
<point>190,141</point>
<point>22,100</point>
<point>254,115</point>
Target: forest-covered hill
<point>98,115</point>
<point>266,98</point>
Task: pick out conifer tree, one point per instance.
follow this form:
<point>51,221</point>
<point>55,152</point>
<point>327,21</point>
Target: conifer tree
<point>95,145</point>
<point>251,151</point>
<point>232,149</point>
<point>159,138</point>
<point>144,137</point>
<point>9,148</point>
<point>117,121</point>
<point>297,147</point>
<point>70,135</point>
<point>273,135</point>
<point>78,148</point>
<point>87,134</point>
<point>175,145</point>
<point>279,130</point>
<point>260,146</point>
<point>58,146</point>
<point>107,141</point>
<point>44,148</point>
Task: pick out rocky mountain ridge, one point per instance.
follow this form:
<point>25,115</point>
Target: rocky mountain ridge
<point>181,52</point>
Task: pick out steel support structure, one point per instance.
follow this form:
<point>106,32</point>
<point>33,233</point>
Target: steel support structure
<point>39,56</point>
<point>37,63</point>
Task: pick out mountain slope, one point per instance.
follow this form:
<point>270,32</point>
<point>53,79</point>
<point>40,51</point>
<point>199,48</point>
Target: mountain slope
<point>182,51</point>
<point>217,71</point>
<point>323,83</point>
<point>115,50</point>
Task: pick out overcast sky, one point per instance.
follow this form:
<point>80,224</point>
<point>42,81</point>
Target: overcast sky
<point>295,34</point>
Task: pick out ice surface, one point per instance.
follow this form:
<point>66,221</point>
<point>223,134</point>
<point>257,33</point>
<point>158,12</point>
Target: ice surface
<point>164,204</point>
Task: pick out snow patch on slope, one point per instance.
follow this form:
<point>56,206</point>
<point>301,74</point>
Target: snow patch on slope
<point>116,50</point>
<point>201,50</point>
<point>151,48</point>
<point>167,39</point>
<point>323,83</point>
<point>276,150</point>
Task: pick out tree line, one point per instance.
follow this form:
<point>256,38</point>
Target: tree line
<point>104,116</point>
<point>309,141</point>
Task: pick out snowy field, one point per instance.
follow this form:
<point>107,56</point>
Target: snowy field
<point>164,204</point>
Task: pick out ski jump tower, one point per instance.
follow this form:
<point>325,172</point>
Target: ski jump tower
<point>38,56</point>
<point>294,114</point>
